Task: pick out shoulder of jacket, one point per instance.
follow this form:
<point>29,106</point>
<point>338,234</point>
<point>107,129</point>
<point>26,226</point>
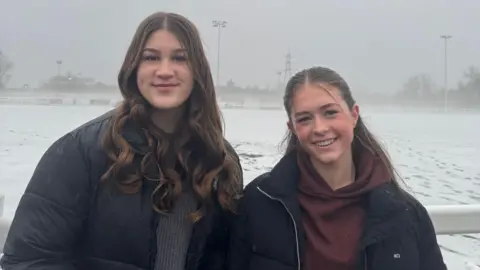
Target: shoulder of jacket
<point>228,146</point>
<point>88,137</point>
<point>94,124</point>
<point>252,186</point>
<point>420,210</point>
<point>90,132</point>
<point>417,210</point>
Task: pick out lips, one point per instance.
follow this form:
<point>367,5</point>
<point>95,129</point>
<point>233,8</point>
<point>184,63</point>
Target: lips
<point>165,85</point>
<point>325,143</point>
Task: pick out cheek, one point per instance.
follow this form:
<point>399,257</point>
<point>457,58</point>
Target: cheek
<point>188,76</point>
<point>345,129</point>
<point>185,94</point>
<point>303,133</point>
<point>187,79</point>
<point>142,76</point>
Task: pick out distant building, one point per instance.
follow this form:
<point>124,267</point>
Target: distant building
<point>73,83</point>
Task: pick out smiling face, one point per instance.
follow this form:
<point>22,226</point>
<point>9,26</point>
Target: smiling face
<point>323,123</point>
<point>164,76</point>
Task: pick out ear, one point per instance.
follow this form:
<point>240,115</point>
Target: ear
<point>355,114</point>
<point>290,126</point>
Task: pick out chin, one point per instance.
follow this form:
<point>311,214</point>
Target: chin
<point>166,104</point>
<point>325,158</point>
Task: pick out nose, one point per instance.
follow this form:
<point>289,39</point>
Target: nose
<point>320,125</point>
<point>164,69</point>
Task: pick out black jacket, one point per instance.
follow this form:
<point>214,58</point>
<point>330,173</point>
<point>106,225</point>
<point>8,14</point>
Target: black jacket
<point>268,232</point>
<point>66,220</point>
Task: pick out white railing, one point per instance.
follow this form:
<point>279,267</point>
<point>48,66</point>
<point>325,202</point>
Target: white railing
<point>447,219</point>
<point>455,219</point>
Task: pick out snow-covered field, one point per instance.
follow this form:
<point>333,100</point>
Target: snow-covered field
<point>437,154</point>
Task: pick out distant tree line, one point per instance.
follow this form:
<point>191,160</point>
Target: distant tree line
<point>6,67</point>
<point>74,82</point>
<point>418,91</point>
<point>421,90</point>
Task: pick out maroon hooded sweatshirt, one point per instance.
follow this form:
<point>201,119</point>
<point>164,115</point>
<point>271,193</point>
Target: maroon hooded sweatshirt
<point>333,219</point>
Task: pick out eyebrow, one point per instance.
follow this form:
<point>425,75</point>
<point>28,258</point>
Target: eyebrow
<point>323,107</point>
<point>180,50</point>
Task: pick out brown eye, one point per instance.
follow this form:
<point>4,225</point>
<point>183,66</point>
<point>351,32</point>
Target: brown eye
<point>150,58</point>
<point>330,113</point>
<point>180,58</point>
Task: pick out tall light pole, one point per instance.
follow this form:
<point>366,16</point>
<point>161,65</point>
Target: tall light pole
<point>279,81</point>
<point>219,25</point>
<point>445,91</point>
<point>59,65</point>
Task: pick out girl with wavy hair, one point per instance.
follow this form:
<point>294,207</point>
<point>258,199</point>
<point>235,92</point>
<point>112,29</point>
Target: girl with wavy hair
<point>150,185</point>
<point>333,202</point>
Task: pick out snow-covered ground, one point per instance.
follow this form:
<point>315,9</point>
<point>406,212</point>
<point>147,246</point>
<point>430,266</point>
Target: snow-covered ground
<point>437,154</point>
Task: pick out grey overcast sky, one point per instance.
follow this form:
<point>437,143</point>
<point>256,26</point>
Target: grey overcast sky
<point>375,44</point>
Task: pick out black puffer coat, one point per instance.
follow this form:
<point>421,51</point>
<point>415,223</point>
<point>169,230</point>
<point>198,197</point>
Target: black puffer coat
<point>66,220</point>
<point>269,234</point>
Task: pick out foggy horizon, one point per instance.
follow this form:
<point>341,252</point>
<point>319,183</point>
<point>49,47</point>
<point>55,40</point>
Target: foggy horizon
<point>376,46</point>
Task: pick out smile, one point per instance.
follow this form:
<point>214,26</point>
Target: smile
<point>325,143</point>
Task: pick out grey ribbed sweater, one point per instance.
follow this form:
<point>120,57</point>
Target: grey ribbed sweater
<point>174,231</point>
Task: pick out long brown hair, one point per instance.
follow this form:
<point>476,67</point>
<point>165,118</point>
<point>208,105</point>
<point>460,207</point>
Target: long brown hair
<point>199,144</point>
<point>363,138</point>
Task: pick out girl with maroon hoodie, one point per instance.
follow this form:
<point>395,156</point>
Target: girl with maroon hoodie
<point>333,201</point>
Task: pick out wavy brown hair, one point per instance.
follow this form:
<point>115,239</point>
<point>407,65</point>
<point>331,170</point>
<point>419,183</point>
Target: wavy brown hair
<point>363,138</point>
<point>198,144</point>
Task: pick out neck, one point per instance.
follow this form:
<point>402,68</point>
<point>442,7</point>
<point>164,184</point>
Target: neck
<point>338,174</point>
<point>167,120</point>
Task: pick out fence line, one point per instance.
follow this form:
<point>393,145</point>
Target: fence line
<point>447,219</point>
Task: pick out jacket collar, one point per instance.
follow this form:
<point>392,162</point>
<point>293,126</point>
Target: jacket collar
<point>283,179</point>
<point>135,136</point>
<point>382,204</point>
<point>283,182</point>
<point>131,132</point>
